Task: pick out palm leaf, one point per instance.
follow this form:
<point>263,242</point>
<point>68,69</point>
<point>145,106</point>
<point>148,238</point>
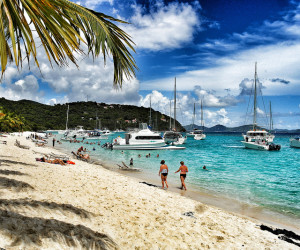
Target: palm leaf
<point>61,27</point>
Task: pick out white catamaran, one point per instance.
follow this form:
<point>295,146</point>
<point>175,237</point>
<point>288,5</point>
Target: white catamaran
<point>258,139</point>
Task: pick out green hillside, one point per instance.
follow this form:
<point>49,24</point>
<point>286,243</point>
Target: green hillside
<point>112,116</point>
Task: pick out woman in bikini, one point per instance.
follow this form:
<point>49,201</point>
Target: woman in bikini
<point>163,172</point>
<point>183,172</point>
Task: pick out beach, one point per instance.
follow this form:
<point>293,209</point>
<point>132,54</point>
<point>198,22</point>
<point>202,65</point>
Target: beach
<point>49,206</point>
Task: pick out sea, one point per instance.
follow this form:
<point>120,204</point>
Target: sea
<point>264,185</point>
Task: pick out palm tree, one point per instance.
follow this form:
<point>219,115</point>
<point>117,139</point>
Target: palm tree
<point>9,121</point>
<point>61,27</point>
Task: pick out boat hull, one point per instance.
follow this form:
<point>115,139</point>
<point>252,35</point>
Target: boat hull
<point>295,143</point>
<point>256,146</point>
<point>138,146</point>
<point>199,137</point>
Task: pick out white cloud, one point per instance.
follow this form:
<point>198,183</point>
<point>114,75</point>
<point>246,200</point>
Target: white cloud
<point>165,27</point>
<point>228,72</point>
<point>25,88</point>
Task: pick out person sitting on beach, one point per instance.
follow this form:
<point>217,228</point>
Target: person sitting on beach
<point>79,150</point>
<point>183,172</point>
<point>85,157</point>
<point>163,172</point>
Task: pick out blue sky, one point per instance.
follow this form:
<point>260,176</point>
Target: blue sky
<point>209,46</point>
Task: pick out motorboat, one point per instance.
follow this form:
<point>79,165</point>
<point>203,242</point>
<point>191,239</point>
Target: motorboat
<point>295,142</point>
<point>256,138</point>
<point>144,138</point>
<point>199,135</point>
<point>174,138</point>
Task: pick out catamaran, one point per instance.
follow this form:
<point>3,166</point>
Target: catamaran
<point>258,139</point>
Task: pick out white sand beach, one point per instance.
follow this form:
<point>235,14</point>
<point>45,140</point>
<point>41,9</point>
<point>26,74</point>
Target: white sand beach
<point>85,206</point>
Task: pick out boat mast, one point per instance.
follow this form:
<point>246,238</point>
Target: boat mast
<point>271,118</point>
<point>150,119</point>
<point>170,115</point>
<point>194,117</point>
<point>202,124</point>
<point>255,104</point>
<point>96,119</point>
<point>67,118</point>
<point>175,106</point>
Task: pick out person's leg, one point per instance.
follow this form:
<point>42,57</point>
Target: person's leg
<point>182,182</point>
<point>162,181</point>
<point>166,182</point>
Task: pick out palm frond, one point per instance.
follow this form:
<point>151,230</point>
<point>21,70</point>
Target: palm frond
<point>62,26</point>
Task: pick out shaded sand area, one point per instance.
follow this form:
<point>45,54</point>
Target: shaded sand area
<point>49,206</point>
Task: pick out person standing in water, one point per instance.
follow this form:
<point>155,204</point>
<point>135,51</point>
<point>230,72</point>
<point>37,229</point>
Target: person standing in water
<point>163,172</point>
<point>183,168</point>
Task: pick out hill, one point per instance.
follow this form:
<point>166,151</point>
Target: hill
<point>240,129</point>
<point>112,116</point>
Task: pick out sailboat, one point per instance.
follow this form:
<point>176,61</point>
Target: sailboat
<point>295,142</point>
<point>172,136</point>
<point>199,134</point>
<point>259,139</point>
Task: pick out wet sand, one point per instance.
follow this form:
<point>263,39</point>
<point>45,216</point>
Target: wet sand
<point>49,206</point>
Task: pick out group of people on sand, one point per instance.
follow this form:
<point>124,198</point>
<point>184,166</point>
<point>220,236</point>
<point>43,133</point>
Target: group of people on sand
<point>164,171</point>
<point>80,153</point>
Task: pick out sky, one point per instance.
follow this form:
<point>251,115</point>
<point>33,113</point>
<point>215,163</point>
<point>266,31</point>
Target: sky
<point>209,46</point>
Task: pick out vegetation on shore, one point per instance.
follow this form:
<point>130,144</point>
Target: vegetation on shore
<point>39,116</point>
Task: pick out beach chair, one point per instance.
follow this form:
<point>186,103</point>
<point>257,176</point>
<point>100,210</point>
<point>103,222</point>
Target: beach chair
<point>79,157</point>
<point>61,157</point>
<point>127,168</point>
<point>17,143</point>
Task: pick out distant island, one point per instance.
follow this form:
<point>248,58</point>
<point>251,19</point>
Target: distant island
<point>240,129</point>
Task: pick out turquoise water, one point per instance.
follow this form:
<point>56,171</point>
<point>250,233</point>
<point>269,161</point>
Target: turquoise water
<point>268,179</point>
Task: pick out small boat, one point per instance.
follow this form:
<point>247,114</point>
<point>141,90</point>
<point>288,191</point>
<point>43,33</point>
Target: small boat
<point>295,142</point>
<point>259,139</point>
<point>197,133</point>
<point>78,133</point>
<point>172,136</point>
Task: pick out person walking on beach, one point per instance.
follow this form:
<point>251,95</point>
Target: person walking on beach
<point>53,141</point>
<point>163,172</point>
<point>183,168</point>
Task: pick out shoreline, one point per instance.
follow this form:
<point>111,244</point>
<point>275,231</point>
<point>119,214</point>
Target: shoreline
<point>51,206</point>
<point>230,205</point>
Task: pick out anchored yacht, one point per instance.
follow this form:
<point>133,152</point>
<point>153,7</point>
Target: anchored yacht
<point>142,139</point>
<point>257,138</point>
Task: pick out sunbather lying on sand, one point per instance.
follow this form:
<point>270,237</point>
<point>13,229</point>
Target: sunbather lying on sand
<point>55,161</point>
